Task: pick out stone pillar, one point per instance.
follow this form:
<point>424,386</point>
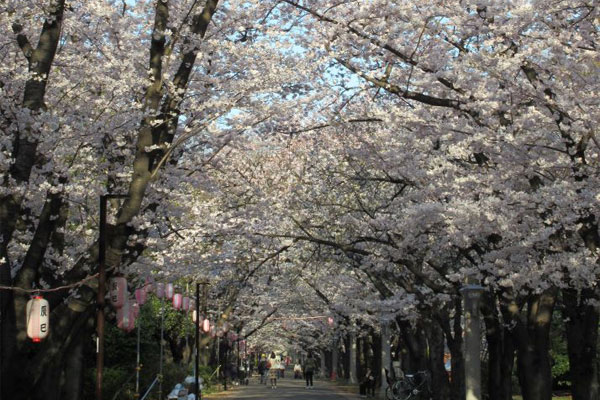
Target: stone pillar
<point>353,377</point>
<point>471,295</point>
<point>386,355</point>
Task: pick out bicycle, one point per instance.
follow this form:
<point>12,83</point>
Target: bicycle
<point>410,387</point>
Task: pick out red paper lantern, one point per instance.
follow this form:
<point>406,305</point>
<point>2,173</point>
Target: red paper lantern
<point>160,290</point>
<point>118,291</point>
<point>169,291</point>
<point>149,281</point>
<point>132,319</point>
<point>38,318</point>
<point>140,296</point>
<point>124,314</point>
<point>148,287</point>
<point>177,300</point>
<point>126,317</point>
<point>206,325</point>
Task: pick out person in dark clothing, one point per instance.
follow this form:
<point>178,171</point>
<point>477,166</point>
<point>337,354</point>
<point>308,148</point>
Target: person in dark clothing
<point>367,384</point>
<point>310,365</point>
<point>262,369</point>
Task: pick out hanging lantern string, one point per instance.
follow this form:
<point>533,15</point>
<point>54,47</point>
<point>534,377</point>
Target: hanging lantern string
<point>55,289</point>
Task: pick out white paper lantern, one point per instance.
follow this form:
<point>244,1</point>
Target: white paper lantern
<point>185,305</point>
<point>38,318</point>
<point>140,296</point>
<point>118,291</point>
<point>135,307</point>
<point>194,316</point>
<point>169,291</point>
<point>330,321</point>
<point>177,300</point>
<point>206,325</point>
<point>160,290</point>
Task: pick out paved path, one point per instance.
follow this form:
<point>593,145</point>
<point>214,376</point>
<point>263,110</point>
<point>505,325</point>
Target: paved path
<point>287,389</point>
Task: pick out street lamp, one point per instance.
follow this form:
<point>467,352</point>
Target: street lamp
<point>101,290</point>
<point>472,294</point>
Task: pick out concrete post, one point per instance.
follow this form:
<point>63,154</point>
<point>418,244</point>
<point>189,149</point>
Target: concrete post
<point>386,355</point>
<point>471,295</point>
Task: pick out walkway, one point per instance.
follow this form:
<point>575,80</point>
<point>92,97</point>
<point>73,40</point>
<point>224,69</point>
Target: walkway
<point>287,389</point>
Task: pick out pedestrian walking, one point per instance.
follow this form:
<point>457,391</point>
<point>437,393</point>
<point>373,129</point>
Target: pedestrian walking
<point>310,365</point>
<point>281,369</point>
<point>297,371</point>
<point>367,384</point>
<point>262,369</point>
<point>273,365</point>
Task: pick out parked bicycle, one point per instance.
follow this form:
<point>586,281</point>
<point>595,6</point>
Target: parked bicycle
<point>415,386</point>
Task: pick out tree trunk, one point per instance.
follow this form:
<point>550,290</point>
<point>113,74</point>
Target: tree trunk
<point>72,384</point>
<point>386,356</point>
<point>353,377</point>
<point>501,352</point>
<point>416,346</point>
<point>454,340</point>
<point>177,346</point>
<point>532,337</point>
<point>440,386</point>
<point>582,337</point>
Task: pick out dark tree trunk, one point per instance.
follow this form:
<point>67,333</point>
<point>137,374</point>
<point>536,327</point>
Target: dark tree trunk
<point>440,386</point>
<point>377,362</point>
<point>501,351</point>
<point>532,338</point>
<point>177,346</point>
<point>360,365</point>
<point>454,341</point>
<point>416,345</point>
<point>582,337</point>
<point>346,358</point>
<point>72,383</point>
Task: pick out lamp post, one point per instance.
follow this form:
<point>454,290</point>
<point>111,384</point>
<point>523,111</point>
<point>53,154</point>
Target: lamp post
<point>101,290</point>
<point>472,294</point>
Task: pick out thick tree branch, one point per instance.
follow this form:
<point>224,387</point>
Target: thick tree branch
<point>22,41</point>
